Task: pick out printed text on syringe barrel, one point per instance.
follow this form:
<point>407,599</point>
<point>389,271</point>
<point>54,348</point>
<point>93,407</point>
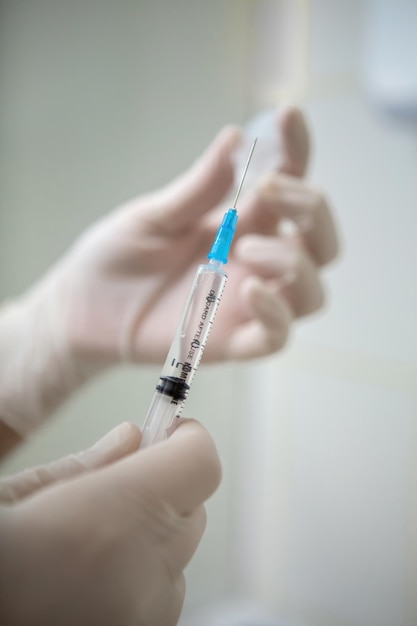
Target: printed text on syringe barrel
<point>188,345</point>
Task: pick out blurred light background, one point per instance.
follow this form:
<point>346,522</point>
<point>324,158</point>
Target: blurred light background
<point>316,518</point>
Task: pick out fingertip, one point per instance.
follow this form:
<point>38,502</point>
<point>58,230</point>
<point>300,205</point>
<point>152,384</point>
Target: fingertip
<point>293,121</point>
<point>200,442</point>
<point>249,247</point>
<point>230,136</point>
<point>257,294</point>
<point>189,425</point>
<point>269,321</point>
<point>124,438</point>
<point>225,146</point>
<point>132,434</point>
<point>296,141</point>
<point>202,187</point>
<point>251,288</point>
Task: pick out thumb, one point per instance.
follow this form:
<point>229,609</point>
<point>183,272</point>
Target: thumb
<point>201,188</point>
<point>182,471</point>
<point>295,142</point>
<point>118,443</point>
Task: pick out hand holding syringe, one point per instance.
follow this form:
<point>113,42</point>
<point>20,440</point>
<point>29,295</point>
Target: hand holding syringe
<point>193,330</point>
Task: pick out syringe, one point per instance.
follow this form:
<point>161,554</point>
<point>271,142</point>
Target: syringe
<point>192,333</point>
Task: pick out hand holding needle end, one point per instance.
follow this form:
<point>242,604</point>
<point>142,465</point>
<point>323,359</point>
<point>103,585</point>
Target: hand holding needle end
<point>192,333</point>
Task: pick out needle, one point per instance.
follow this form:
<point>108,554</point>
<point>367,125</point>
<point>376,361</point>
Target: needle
<point>244,172</point>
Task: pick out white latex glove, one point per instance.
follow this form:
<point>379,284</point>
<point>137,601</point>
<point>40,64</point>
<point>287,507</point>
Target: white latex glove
<point>119,292</point>
<point>100,539</point>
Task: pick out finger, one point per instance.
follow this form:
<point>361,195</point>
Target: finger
<point>181,472</point>
<point>118,443</point>
<point>198,190</point>
<point>285,265</point>
<point>268,257</point>
<point>307,207</point>
<point>268,329</point>
<point>304,294</point>
<point>281,197</point>
<point>295,141</point>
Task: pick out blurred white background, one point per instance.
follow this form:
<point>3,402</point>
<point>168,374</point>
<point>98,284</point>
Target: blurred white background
<point>317,514</point>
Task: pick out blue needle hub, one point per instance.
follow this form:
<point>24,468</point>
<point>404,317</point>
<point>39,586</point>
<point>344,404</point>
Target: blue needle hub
<point>221,246</point>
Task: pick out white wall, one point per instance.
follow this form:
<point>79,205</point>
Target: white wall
<point>333,503</point>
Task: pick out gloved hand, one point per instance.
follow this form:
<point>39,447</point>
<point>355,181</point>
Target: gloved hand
<point>101,539</point>
<point>119,292</point>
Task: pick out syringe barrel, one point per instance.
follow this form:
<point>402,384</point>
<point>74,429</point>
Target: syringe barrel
<point>185,353</point>
<point>159,419</point>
